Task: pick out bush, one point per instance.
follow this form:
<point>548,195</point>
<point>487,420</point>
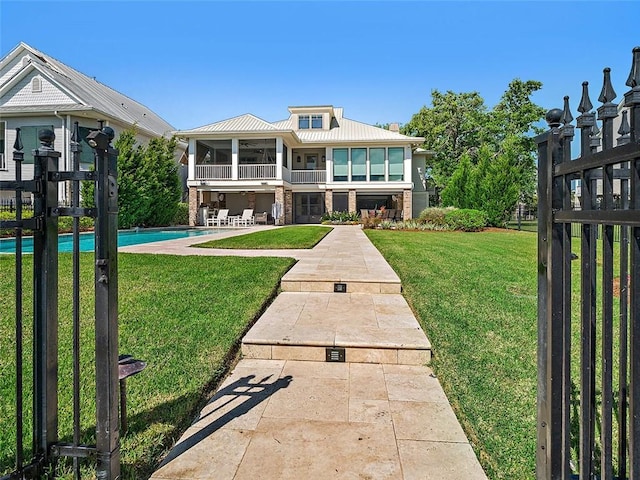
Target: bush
<point>182,215</point>
<point>340,217</point>
<point>435,215</point>
<point>466,219</point>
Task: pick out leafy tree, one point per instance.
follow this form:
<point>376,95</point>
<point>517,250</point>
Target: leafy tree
<point>452,127</point>
<point>148,183</point>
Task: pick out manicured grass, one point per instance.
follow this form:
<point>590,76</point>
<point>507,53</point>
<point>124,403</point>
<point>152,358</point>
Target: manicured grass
<point>277,238</point>
<point>475,296</point>
<point>182,315</point>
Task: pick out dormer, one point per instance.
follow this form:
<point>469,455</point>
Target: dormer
<point>312,117</point>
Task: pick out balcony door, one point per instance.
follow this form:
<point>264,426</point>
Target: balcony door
<point>308,207</point>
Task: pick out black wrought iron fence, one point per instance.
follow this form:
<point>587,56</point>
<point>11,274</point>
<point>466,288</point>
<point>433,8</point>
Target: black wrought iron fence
<point>38,450</point>
<point>589,309</point>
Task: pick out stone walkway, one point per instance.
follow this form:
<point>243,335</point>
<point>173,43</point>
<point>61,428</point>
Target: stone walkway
<point>286,412</point>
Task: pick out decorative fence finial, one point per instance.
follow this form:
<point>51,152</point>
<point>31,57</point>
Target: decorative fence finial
<point>624,130</point>
<point>607,94</point>
<point>595,131</point>
<point>75,135</point>
<point>585,104</point>
<point>17,145</point>
<point>634,76</point>
<point>566,112</point>
<point>553,117</point>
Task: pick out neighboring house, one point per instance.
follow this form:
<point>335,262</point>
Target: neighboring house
<point>37,91</point>
<point>314,162</point>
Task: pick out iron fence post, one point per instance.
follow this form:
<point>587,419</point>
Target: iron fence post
<point>45,299</point>
<point>106,285</point>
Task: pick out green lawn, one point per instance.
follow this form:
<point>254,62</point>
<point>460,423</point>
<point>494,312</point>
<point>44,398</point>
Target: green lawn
<point>278,238</point>
<point>475,295</point>
<point>182,315</point>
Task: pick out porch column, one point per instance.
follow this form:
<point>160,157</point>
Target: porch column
<point>279,158</point>
<point>407,212</point>
<point>288,207</point>
<point>252,200</point>
<point>352,201</point>
<point>193,203</point>
<point>328,201</point>
<point>234,159</point>
<point>279,198</point>
<point>329,164</point>
<point>192,159</point>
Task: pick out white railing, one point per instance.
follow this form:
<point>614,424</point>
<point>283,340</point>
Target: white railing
<point>213,172</point>
<point>308,176</point>
<point>256,172</point>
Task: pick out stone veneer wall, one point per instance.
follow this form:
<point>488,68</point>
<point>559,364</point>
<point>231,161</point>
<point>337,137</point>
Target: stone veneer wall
<point>288,207</point>
<point>252,200</point>
<point>279,198</point>
<point>352,200</point>
<point>193,206</point>
<point>407,201</point>
<point>328,201</point>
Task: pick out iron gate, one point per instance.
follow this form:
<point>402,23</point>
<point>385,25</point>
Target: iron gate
<point>589,334</point>
<point>38,459</point>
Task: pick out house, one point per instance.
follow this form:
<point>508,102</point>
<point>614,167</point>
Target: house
<point>37,91</point>
<point>315,161</point>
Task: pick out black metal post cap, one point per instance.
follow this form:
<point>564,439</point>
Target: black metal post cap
<point>553,117</point>
<point>109,132</point>
<point>46,136</point>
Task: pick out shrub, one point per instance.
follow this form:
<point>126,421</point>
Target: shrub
<point>340,217</point>
<point>182,214</point>
<point>434,215</point>
<point>466,219</point>
<point>371,222</point>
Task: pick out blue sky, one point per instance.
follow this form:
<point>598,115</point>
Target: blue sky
<point>199,62</point>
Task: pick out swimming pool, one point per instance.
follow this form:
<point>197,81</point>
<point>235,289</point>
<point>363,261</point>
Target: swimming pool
<point>125,238</point>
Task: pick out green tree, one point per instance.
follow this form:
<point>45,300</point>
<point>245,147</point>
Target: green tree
<point>148,183</point>
<point>452,127</point>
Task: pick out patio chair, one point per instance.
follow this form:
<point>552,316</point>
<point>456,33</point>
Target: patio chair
<point>261,218</point>
<point>247,218</point>
<point>391,214</point>
<point>220,219</point>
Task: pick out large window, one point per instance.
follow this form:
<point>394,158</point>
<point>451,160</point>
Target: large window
<point>316,121</point>
<point>358,164</point>
<point>396,164</point>
<point>340,164</point>
<point>376,162</point>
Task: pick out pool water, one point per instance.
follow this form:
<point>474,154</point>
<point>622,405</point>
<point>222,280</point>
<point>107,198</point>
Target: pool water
<point>125,238</point>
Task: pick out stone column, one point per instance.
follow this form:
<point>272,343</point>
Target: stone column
<point>279,198</point>
<point>352,201</point>
<point>252,200</point>
<point>328,201</point>
<point>193,206</point>
<point>406,205</point>
<point>288,207</point>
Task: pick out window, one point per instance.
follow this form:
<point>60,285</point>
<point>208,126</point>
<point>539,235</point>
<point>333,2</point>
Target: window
<point>396,164</point>
<point>358,164</point>
<point>36,85</point>
<point>376,162</point>
<point>340,164</point>
<point>303,122</point>
<point>25,60</point>
<point>3,162</point>
<point>30,140</point>
<point>316,121</point>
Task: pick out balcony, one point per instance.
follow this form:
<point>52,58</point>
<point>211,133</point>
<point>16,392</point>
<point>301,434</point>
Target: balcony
<point>308,176</point>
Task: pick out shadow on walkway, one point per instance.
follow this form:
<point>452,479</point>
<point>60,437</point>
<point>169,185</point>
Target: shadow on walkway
<point>252,394</point>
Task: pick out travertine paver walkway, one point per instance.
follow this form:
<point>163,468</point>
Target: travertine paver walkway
<point>288,414</point>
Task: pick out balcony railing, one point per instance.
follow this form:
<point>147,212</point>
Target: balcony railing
<point>213,172</point>
<point>308,176</point>
<point>256,172</point>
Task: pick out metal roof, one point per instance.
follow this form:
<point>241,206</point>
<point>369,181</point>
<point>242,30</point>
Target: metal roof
<point>91,93</point>
<point>242,123</point>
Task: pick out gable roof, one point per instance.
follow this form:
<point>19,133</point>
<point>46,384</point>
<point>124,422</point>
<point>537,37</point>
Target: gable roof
<point>239,124</point>
<point>88,93</point>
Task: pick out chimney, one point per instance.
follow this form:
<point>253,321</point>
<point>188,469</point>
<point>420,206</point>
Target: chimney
<point>394,127</point>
